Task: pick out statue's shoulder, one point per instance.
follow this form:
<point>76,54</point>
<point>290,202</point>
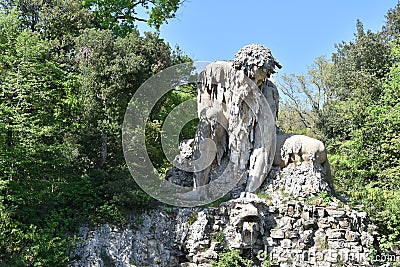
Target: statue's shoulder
<point>220,64</point>
<point>217,72</point>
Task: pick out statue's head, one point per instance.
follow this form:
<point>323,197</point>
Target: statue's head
<point>256,61</point>
<point>246,226</point>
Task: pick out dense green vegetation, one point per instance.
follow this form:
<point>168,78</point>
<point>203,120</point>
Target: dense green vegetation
<point>231,258</point>
<point>65,81</point>
<point>67,71</point>
<point>352,102</point>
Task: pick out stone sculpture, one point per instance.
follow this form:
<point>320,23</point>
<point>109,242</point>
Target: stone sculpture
<point>238,103</point>
<point>299,148</point>
<point>236,117</point>
<point>237,122</point>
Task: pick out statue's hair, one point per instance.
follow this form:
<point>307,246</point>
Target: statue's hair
<point>255,55</point>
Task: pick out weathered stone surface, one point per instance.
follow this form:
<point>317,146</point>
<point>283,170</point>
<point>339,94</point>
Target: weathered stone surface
<point>150,240</point>
<point>277,233</point>
<point>297,148</point>
<point>335,233</point>
<point>286,243</point>
<point>336,213</point>
<point>198,238</point>
<point>205,257</point>
<point>177,237</point>
<point>309,224</point>
<point>352,236</point>
<point>236,136</point>
<point>344,224</point>
<point>323,223</point>
<point>236,116</point>
<point>189,264</point>
<point>182,162</point>
<point>301,179</point>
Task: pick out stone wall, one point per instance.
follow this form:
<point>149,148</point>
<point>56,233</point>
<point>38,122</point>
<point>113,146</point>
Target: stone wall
<point>148,240</point>
<point>310,232</point>
<point>309,227</point>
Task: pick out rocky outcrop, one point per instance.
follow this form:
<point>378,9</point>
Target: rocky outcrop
<point>292,221</point>
<point>307,232</point>
<point>300,179</point>
<point>147,240</point>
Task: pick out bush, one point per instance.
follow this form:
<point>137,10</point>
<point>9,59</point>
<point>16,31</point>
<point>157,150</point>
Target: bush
<point>231,258</point>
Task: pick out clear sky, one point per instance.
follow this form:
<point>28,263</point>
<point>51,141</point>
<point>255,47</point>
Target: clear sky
<point>296,31</point>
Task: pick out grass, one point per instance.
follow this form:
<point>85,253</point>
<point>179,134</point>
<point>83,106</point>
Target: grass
<point>192,218</point>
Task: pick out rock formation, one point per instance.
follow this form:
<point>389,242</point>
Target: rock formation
<point>275,228</point>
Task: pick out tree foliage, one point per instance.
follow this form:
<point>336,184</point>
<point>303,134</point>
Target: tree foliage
<point>357,115</point>
<point>231,258</point>
<point>359,69</point>
<point>304,97</point>
<point>64,88</point>
<point>38,169</point>
<point>391,29</point>
<point>61,18</point>
<point>122,15</point>
<point>67,72</point>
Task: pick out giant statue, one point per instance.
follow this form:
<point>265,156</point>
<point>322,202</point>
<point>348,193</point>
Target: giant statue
<point>237,136</point>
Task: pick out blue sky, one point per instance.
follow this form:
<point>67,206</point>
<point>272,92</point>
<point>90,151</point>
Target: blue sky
<point>296,31</point>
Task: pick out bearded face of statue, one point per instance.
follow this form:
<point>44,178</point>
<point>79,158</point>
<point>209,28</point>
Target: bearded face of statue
<point>256,61</point>
<point>259,75</point>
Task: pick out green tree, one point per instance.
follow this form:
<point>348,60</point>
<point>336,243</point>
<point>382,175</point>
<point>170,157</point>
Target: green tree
<point>38,159</point>
<point>154,126</point>
<point>367,167</point>
<point>359,68</point>
<point>358,117</point>
<point>304,98</point>
<point>56,20</point>
<point>361,125</point>
<point>64,87</point>
<point>391,29</point>
<point>110,72</point>
<point>122,15</point>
